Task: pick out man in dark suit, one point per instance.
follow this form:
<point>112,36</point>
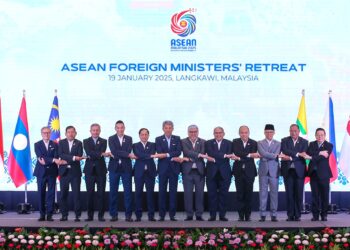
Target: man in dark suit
<point>95,171</point>
<point>168,147</point>
<point>120,167</point>
<point>219,175</point>
<point>293,170</point>
<point>71,151</point>
<point>46,171</point>
<point>244,170</point>
<point>193,175</point>
<point>145,173</point>
<point>320,172</point>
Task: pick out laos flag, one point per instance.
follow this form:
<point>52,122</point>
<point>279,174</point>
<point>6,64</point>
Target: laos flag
<point>19,161</point>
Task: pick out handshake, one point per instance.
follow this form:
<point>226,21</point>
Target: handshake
<point>237,158</point>
<point>187,159</point>
<point>284,157</point>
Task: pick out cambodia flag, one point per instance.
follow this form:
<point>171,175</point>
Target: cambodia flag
<point>329,126</point>
<point>19,161</point>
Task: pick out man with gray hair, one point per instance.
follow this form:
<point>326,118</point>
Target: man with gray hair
<point>193,172</point>
<point>168,146</point>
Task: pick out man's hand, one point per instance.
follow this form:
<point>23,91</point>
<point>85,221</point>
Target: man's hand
<point>284,157</point>
<point>254,155</point>
<point>177,159</point>
<point>159,156</point>
<point>324,153</point>
<point>41,160</point>
<point>107,154</point>
<point>132,156</point>
<point>79,158</point>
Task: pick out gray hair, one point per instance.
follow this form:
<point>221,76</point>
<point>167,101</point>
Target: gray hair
<point>193,126</point>
<point>168,123</point>
<point>95,124</point>
<point>45,127</point>
<point>218,127</point>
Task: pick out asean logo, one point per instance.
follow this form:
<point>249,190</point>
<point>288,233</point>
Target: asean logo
<point>183,24</point>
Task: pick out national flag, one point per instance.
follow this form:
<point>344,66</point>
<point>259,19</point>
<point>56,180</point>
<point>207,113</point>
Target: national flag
<point>19,162</point>
<point>54,121</point>
<point>2,171</point>
<point>344,159</point>
<point>302,123</point>
<point>328,124</point>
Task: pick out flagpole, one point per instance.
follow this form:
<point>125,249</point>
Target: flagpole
<point>332,208</point>
<point>56,208</point>
<point>25,185</point>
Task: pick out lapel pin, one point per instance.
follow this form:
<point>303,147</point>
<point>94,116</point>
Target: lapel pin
<point>98,142</point>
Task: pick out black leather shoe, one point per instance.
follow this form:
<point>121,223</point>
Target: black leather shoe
<point>161,219</point>
<point>42,218</point>
<point>199,218</point>
<point>223,219</point>
<point>274,219</point>
<point>64,218</point>
<point>89,219</point>
<point>241,219</point>
<point>324,218</point>
<point>314,219</point>
<point>211,218</point>
<point>114,218</point>
<point>77,219</point>
<point>129,219</point>
<point>49,218</point>
<point>247,219</point>
<point>151,219</point>
<point>297,219</point>
<point>262,218</point>
<point>173,219</point>
<point>138,219</point>
<point>188,218</point>
<point>101,219</point>
<point>290,218</point>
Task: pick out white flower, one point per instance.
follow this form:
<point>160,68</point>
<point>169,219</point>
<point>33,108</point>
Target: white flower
<point>95,242</point>
<point>315,235</point>
<point>317,240</point>
<point>95,237</point>
<point>78,242</point>
<point>245,236</point>
<point>338,236</point>
<point>63,233</point>
<point>15,240</point>
<point>297,242</point>
<point>31,242</point>
<point>20,236</point>
<point>305,242</point>
<point>306,237</point>
<point>23,241</point>
<point>286,236</point>
<point>337,240</point>
<point>56,237</point>
<point>67,237</point>
<point>274,236</point>
<point>40,242</point>
<point>47,238</point>
<point>225,230</point>
<point>88,242</point>
<point>49,243</point>
<point>325,235</point>
<point>66,242</point>
<point>279,231</point>
<point>271,240</point>
<point>38,237</point>
<point>297,236</point>
<point>11,236</point>
<point>347,234</point>
<point>282,240</point>
<point>56,241</point>
<point>324,240</point>
<point>31,236</point>
<point>77,237</point>
<point>344,239</point>
<point>86,236</point>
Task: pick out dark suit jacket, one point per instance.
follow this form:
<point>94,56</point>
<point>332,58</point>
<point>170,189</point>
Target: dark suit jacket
<point>64,154</point>
<point>50,168</point>
<point>288,148</point>
<point>249,163</point>
<point>95,163</point>
<point>221,164</point>
<point>192,154</point>
<point>144,158</point>
<point>319,163</point>
<point>165,164</point>
<point>120,153</point>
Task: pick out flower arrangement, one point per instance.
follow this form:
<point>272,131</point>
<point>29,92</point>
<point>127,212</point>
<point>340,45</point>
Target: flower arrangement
<point>111,238</point>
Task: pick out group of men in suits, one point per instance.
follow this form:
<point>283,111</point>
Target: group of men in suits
<point>202,161</point>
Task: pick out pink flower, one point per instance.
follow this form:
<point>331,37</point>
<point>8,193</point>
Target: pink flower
<point>211,242</point>
<point>107,241</point>
<point>198,243</point>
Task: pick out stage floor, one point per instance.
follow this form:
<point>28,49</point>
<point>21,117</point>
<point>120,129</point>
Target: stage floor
<point>12,220</point>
